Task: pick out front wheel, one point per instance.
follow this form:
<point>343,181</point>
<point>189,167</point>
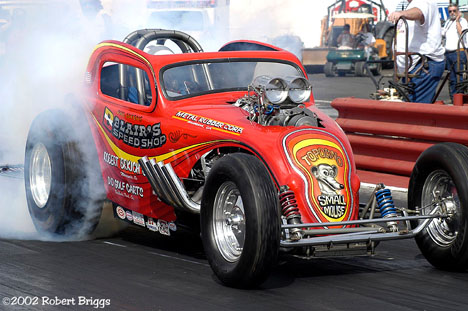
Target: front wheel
<point>440,178</point>
<point>240,220</point>
<point>328,69</point>
<point>360,69</point>
<point>377,70</point>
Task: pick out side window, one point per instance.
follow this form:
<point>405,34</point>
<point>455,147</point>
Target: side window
<point>133,86</point>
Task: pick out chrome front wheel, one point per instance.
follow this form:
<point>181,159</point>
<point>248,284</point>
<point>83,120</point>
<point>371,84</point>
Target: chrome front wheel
<point>440,189</point>
<point>229,222</point>
<point>440,179</point>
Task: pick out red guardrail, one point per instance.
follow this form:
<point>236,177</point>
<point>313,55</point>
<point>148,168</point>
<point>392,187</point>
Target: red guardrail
<point>387,137</point>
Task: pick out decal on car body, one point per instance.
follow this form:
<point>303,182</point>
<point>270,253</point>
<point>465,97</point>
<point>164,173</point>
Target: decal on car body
<point>322,162</point>
<point>208,123</point>
<point>171,155</point>
<point>156,225</point>
<point>132,134</point>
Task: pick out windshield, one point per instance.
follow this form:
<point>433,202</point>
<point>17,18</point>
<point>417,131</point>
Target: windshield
<point>188,80</point>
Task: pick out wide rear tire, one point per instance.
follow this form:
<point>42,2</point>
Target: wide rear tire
<point>64,188</point>
<point>240,221</point>
<point>440,177</point>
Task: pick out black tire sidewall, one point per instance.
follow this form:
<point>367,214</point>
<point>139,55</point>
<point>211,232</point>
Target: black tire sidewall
<point>328,69</point>
<point>359,69</point>
<point>47,219</point>
<point>69,198</point>
<point>262,234</point>
<point>453,159</point>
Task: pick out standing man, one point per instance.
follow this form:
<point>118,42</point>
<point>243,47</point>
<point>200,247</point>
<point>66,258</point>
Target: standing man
<point>452,31</point>
<point>425,38</point>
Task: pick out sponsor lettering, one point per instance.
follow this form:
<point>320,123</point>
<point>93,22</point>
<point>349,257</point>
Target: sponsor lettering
<point>129,215</point>
<point>333,206</point>
<point>210,123</point>
<point>111,159</point>
<point>321,153</point>
<point>121,186</point>
<point>123,164</point>
<point>138,219</point>
<point>134,135</point>
<point>120,212</point>
<point>172,226</point>
<point>129,115</point>
<point>151,225</point>
<point>163,227</point>
<point>130,166</point>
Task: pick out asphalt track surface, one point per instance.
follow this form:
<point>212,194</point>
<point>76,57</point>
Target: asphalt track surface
<point>139,270</point>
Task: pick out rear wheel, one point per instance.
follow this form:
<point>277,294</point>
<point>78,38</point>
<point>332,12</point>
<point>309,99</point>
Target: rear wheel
<point>359,68</point>
<point>328,70</point>
<point>240,220</point>
<point>63,199</point>
<point>440,178</point>
<point>377,70</point>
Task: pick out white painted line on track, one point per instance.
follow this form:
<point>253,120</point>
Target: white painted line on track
<point>114,244</point>
<point>181,259</point>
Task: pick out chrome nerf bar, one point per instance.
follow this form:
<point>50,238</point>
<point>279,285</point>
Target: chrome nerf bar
<point>365,236</point>
<point>359,222</point>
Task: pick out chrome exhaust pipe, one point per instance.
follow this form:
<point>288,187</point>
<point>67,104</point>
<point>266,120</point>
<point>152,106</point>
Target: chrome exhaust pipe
<point>149,174</point>
<point>153,174</point>
<point>167,185</point>
<point>179,188</point>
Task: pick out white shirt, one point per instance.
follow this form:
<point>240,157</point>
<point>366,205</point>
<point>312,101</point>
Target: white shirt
<point>425,39</point>
<point>451,33</point>
<point>368,38</point>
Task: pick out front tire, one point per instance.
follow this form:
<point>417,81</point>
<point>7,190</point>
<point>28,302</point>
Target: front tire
<point>63,199</point>
<point>440,177</point>
<point>328,69</point>
<point>377,70</point>
<point>240,220</point>
<point>360,69</point>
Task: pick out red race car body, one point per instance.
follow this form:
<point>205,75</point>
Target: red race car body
<point>181,131</point>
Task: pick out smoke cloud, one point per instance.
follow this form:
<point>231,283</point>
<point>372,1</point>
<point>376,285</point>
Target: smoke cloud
<point>44,52</point>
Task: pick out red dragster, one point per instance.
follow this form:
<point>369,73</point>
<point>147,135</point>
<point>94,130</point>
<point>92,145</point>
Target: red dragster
<point>231,139</point>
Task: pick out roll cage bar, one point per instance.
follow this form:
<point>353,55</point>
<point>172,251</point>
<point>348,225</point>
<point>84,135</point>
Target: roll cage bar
<point>140,39</point>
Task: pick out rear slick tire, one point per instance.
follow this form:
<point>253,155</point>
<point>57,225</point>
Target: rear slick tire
<point>440,177</point>
<point>63,199</point>
<point>240,221</point>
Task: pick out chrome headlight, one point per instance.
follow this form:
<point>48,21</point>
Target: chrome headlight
<point>276,89</point>
<point>299,89</point>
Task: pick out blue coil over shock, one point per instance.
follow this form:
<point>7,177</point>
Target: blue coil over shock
<point>385,203</point>
<point>386,207</point>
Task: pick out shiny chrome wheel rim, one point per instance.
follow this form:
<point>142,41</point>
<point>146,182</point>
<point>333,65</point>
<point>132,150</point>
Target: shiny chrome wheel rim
<point>229,222</point>
<point>439,189</point>
<point>40,175</point>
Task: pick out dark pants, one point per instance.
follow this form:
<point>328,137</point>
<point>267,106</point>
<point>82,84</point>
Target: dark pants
<point>425,84</point>
<point>451,60</point>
